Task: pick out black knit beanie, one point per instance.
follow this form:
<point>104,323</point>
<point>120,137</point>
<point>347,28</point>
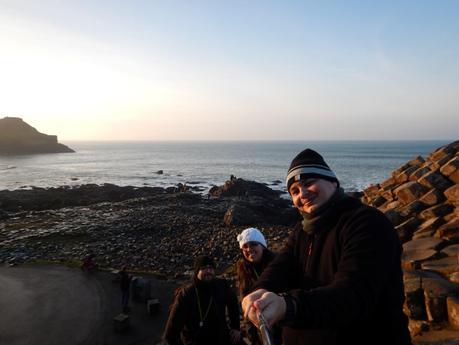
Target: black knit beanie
<point>308,163</point>
<point>203,261</point>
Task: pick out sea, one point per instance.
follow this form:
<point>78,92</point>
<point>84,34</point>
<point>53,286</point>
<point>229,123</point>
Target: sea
<point>204,164</point>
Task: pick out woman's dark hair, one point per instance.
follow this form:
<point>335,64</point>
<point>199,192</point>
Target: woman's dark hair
<point>246,275</point>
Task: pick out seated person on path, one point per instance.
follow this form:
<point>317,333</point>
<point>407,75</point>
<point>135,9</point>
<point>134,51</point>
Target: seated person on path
<point>340,268</point>
<point>255,256</point>
<point>198,312</point>
<point>89,264</point>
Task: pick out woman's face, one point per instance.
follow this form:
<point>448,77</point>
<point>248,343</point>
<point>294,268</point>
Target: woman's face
<point>253,252</point>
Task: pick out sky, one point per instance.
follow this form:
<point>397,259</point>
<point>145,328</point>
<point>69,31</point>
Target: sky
<point>232,70</point>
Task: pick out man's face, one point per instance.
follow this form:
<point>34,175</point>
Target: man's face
<point>309,194</point>
<point>206,273</point>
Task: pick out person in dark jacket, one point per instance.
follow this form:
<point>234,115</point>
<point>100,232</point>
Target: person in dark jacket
<point>198,312</point>
<point>255,256</point>
<point>338,279</point>
<point>125,285</point>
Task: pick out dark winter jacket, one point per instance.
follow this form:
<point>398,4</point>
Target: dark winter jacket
<point>344,275</point>
<point>125,281</point>
<point>183,324</point>
<point>248,273</point>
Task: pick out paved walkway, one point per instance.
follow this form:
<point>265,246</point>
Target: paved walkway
<point>55,305</point>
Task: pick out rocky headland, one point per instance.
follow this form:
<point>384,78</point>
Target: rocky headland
<point>161,230</point>
<point>18,137</point>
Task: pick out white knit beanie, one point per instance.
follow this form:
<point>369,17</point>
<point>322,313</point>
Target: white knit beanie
<point>251,235</point>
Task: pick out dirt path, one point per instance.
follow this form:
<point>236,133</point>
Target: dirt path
<point>59,305</point>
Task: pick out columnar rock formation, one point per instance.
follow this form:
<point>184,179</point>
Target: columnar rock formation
<point>421,198</point>
<point>17,137</point>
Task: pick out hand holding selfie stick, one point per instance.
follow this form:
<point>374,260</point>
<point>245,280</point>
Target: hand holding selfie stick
<point>264,330</point>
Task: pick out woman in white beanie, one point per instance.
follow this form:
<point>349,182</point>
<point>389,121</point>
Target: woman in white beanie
<point>255,257</point>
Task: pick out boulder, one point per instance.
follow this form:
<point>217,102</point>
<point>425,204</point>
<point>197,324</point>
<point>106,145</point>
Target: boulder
<point>443,152</point>
<point>428,228</point>
<point>390,205</point>
<point>417,327</point>
<point>404,175</point>
<point>436,165</point>
<point>394,216</point>
<point>379,201</point>
<point>258,211</point>
<point>437,211</point>
<point>426,293</point>
<point>414,305</point>
<point>435,306</point>
<point>371,191</point>
<point>414,207</point>
<point>418,173</point>
<point>240,215</point>
<point>388,195</point>
<point>240,187</point>
<point>452,194</point>
<point>425,243</point>
<point>412,258</point>
<point>454,176</point>
<point>432,197</point>
<point>405,230</point>
<point>434,180</point>
<point>449,230</point>
<point>452,250</point>
<point>450,167</point>
<point>410,191</point>
<point>387,184</point>
<point>444,266</point>
<point>452,303</point>
<point>414,163</point>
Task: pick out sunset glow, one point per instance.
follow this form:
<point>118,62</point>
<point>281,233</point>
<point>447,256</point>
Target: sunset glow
<point>237,70</point>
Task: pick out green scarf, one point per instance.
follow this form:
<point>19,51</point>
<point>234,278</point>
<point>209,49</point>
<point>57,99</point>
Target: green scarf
<point>312,222</point>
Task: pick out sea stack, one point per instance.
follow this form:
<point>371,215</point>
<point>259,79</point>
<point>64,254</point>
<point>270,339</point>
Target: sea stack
<point>17,137</point>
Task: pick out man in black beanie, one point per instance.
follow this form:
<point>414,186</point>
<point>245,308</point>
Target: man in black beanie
<point>338,279</point>
<point>198,312</point>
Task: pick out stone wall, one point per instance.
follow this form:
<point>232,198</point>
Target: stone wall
<point>421,198</point>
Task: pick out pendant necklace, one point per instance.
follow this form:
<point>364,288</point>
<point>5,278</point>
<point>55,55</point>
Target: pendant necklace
<point>256,273</point>
<point>201,317</point>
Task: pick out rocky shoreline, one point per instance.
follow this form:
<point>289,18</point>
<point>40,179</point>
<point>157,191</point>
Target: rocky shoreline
<point>149,229</point>
<point>162,230</point>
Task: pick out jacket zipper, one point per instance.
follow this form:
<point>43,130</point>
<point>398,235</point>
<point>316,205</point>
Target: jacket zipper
<point>309,255</point>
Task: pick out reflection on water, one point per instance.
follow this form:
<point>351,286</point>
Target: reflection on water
<point>357,163</point>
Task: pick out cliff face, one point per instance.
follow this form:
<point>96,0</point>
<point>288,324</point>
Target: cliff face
<point>17,137</point>
<point>421,198</point>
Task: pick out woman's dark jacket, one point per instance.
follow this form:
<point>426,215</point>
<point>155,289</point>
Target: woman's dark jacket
<point>343,272</point>
<point>248,273</point>
<point>182,326</point>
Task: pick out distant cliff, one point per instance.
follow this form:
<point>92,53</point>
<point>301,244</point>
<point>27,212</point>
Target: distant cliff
<point>17,137</point>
